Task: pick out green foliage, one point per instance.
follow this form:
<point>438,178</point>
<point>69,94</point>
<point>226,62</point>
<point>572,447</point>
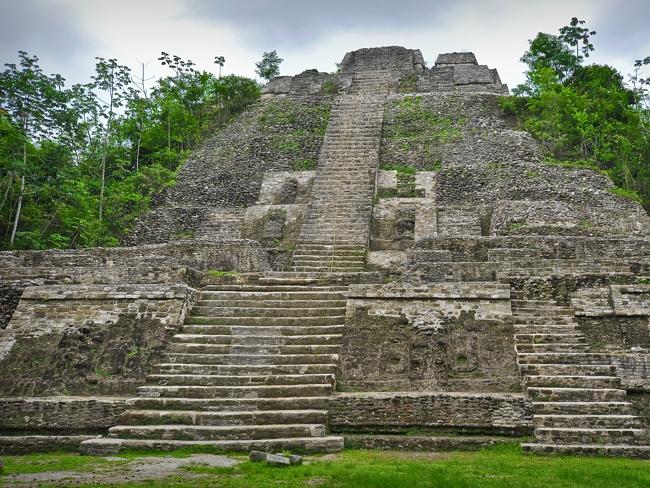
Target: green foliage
<point>216,273</point>
<point>78,165</point>
<point>415,127</point>
<point>269,67</point>
<point>304,164</point>
<point>400,168</point>
<point>329,87</point>
<point>408,83</point>
<point>585,116</point>
<point>627,193</point>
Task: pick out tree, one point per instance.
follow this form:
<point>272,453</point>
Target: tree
<point>111,78</point>
<point>585,115</point>
<point>220,60</point>
<point>549,51</point>
<point>574,35</point>
<point>269,67</point>
<point>34,101</point>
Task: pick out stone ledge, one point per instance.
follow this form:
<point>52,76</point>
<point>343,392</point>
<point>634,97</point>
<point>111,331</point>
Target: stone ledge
<point>423,443</point>
<point>399,412</point>
<point>40,443</point>
<point>104,292</point>
<point>69,414</point>
<point>474,290</point>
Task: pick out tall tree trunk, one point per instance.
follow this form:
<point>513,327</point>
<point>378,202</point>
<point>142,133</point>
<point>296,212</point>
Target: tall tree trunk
<point>137,151</point>
<point>4,197</point>
<point>103,185</point>
<point>20,198</point>
<point>169,140</point>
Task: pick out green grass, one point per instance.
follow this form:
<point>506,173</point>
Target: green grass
<point>400,168</point>
<point>303,164</point>
<point>495,467</point>
<point>217,273</point>
<point>626,193</point>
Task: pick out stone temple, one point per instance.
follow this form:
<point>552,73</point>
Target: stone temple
<point>375,257</point>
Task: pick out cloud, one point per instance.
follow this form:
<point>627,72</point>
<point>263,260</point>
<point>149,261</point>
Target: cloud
<point>39,28</point>
<point>623,29</point>
<point>288,23</point>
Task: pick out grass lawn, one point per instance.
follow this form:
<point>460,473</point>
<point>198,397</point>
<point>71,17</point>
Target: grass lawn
<point>501,466</point>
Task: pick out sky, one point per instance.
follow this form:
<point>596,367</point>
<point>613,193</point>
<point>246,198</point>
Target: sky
<point>67,35</point>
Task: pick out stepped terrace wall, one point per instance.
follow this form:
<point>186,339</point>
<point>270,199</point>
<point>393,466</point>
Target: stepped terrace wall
<point>444,337</point>
<point>401,412</point>
<point>227,170</point>
<point>88,339</point>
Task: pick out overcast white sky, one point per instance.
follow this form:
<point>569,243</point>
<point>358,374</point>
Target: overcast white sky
<point>68,34</point>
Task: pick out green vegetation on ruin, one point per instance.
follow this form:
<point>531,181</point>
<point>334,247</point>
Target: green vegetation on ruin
<point>79,163</point>
<point>586,115</point>
<point>329,87</point>
<point>304,164</point>
<point>400,168</point>
<point>294,126</point>
<point>502,466</point>
<point>414,122</point>
<point>217,273</point>
<point>408,83</point>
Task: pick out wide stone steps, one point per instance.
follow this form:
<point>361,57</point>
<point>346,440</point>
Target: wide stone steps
<point>202,417</point>
<point>255,330</point>
<point>582,408</point>
<point>246,369</point>
<point>566,394</point>
<point>588,421</point>
<point>216,432</point>
<point>274,321</point>
<point>573,381</point>
<point>192,348</point>
<point>552,347</point>
<point>232,302</point>
<point>254,359</point>
<point>287,298</point>
<point>568,369</point>
<point>231,404</point>
<point>274,288</point>
<point>535,329</point>
<point>253,391</point>
<point>239,380</point>
<point>545,338</point>
<point>202,311</point>
<point>309,259</point>
<point>105,446</point>
<point>564,358</point>
<point>610,450</point>
<point>325,268</point>
<point>250,339</point>
<point>629,436</point>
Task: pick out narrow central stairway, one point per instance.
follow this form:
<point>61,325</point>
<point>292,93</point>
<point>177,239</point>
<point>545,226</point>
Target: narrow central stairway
<point>335,230</point>
<point>579,406</point>
<point>252,368</point>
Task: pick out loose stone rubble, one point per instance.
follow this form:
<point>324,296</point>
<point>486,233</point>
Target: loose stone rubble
<point>375,257</point>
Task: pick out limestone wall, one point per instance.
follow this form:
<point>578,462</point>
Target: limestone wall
<point>399,412</point>
<point>444,337</point>
<point>64,415</point>
<point>88,339</point>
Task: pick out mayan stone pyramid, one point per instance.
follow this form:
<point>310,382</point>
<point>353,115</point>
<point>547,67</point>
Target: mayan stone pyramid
<point>375,257</point>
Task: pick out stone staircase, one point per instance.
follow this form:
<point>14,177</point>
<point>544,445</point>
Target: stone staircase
<point>335,230</point>
<point>579,406</point>
<point>252,368</point>
<point>222,224</point>
<point>454,221</point>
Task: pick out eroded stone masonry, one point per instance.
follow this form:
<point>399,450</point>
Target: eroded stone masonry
<point>375,257</point>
